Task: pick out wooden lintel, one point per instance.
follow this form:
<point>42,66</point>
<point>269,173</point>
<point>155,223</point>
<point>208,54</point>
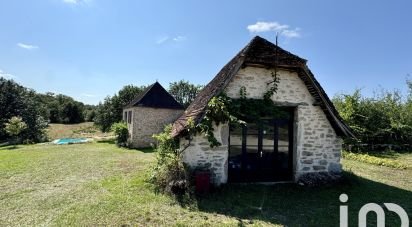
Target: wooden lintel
<point>290,104</point>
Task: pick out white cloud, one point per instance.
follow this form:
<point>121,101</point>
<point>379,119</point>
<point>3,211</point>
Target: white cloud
<point>283,29</point>
<point>162,39</point>
<point>7,75</point>
<point>27,46</point>
<point>262,26</point>
<point>166,38</point>
<point>71,1</point>
<point>179,38</point>
<point>291,33</point>
<point>77,2</point>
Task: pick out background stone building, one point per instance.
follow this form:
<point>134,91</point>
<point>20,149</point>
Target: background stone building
<point>307,140</point>
<point>148,113</point>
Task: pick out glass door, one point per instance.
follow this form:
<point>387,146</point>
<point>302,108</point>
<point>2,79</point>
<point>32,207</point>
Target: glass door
<point>262,151</point>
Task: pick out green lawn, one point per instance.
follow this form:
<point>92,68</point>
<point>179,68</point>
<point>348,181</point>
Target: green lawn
<point>100,184</point>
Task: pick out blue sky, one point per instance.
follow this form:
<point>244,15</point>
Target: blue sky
<point>89,49</point>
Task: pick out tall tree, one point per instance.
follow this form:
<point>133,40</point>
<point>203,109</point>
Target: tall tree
<point>16,100</point>
<point>110,111</point>
<point>184,92</point>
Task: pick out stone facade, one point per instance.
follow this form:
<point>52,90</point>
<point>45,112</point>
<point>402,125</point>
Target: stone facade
<point>317,148</point>
<point>147,121</point>
<point>198,154</point>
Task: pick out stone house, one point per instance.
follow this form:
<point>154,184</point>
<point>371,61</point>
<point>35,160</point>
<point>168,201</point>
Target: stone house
<point>308,139</point>
<point>148,114</point>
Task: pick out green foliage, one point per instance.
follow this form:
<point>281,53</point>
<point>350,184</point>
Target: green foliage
<point>274,86</point>
<point>217,112</point>
<point>169,173</point>
<point>184,92</point>
<point>16,100</point>
<point>110,111</point>
<point>253,110</point>
<point>366,158</point>
<point>385,118</point>
<point>72,113</point>
<point>89,113</point>
<point>121,132</point>
<point>106,115</point>
<point>222,109</point>
<point>58,108</point>
<point>14,127</point>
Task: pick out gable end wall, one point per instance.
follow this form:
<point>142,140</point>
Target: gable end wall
<point>147,121</point>
<point>317,148</point>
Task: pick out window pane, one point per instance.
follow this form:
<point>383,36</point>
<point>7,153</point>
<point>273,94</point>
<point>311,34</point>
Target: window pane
<point>235,139</point>
<point>267,128</point>
<point>252,128</point>
<point>252,149</point>
<point>284,133</point>
<point>235,151</point>
<point>268,140</point>
<point>283,146</point>
<point>235,158</point>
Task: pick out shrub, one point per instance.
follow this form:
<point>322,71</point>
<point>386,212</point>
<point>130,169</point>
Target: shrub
<point>121,132</point>
<point>374,160</point>
<point>169,174</point>
<point>14,127</point>
<point>16,100</point>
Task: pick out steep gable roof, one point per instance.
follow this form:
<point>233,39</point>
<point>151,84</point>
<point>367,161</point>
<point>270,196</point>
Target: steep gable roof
<point>155,96</point>
<point>259,51</point>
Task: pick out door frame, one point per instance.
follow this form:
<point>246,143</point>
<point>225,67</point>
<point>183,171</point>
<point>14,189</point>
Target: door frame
<point>292,128</point>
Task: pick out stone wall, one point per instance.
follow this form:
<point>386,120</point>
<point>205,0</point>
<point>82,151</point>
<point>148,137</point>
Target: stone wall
<point>316,147</point>
<point>147,121</point>
<point>198,154</point>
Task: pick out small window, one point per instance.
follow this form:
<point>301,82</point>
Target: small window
<point>125,116</point>
<point>129,120</point>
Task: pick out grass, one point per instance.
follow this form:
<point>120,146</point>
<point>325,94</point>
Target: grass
<point>379,160</point>
<point>100,184</point>
<point>82,130</point>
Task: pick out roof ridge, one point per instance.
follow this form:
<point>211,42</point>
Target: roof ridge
<point>165,100</point>
<point>139,96</point>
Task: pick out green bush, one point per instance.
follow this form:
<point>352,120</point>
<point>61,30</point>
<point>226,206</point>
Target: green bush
<point>14,127</point>
<point>16,100</point>
<point>121,132</point>
<point>169,174</point>
<point>374,160</point>
<point>384,119</point>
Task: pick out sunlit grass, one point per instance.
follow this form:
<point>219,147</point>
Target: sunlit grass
<point>100,184</point>
<point>86,129</point>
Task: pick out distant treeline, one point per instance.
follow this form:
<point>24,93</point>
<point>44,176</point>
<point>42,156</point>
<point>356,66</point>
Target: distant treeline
<point>383,121</point>
<point>37,110</point>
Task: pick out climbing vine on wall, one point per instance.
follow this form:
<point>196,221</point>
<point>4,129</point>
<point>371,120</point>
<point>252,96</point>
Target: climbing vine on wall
<point>223,109</point>
<point>273,86</point>
<point>217,112</point>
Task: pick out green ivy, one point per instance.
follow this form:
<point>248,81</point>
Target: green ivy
<point>222,109</point>
<point>274,86</point>
<point>217,112</point>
